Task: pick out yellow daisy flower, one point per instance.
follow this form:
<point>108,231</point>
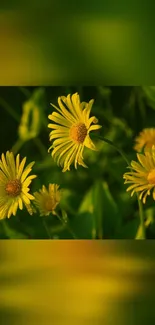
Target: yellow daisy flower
<point>71,130</point>
<point>46,200</point>
<point>142,177</point>
<point>14,184</point>
<point>145,140</point>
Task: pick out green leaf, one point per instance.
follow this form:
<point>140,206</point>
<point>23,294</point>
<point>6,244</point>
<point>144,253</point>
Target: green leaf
<point>83,223</point>
<point>105,211</point>
<point>125,203</point>
<point>69,201</point>
<point>149,220</point>
<point>150,216</point>
<point>139,234</point>
<point>149,93</point>
<point>38,97</point>
<point>83,226</point>
<point>86,205</point>
<point>64,216</point>
<point>104,91</point>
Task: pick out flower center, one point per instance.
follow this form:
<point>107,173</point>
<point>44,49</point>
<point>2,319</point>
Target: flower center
<point>151,177</point>
<point>13,188</point>
<point>78,132</point>
<point>49,204</point>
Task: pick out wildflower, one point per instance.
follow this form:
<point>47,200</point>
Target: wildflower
<point>145,140</point>
<point>46,200</point>
<point>71,130</point>
<point>14,184</point>
<point>142,177</point>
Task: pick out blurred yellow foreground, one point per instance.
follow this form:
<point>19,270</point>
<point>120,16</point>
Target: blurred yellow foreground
<point>76,282</point>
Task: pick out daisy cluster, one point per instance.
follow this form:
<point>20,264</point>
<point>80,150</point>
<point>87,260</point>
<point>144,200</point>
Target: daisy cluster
<point>69,135</point>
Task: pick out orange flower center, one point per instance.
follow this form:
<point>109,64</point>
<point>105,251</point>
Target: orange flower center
<point>13,188</point>
<point>78,132</point>
<point>151,177</point>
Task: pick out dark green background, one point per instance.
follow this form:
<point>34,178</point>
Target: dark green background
<point>122,112</point>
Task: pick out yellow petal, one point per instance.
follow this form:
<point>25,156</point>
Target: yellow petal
<point>62,155</point>
<point>94,127</point>
<point>4,167</point>
<point>89,144</point>
<point>17,162</point>
<point>70,157</point>
<point>15,207</point>
<point>56,117</point>
<point>21,167</point>
<point>25,198</point>
<point>144,162</point>
<point>65,112</point>
<point>11,164</point>
<point>27,171</point>
<point>10,210</point>
<point>20,203</point>
<point>78,154</point>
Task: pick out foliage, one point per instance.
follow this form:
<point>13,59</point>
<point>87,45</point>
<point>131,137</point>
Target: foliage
<point>95,203</point>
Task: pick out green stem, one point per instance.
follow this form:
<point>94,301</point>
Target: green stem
<point>141,214</point>
<point>40,146</point>
<point>94,231</point>
<point>141,103</point>
<point>9,109</point>
<point>67,226</point>
<point>23,226</point>
<point>17,146</point>
<point>114,146</point>
<point>25,91</point>
<point>43,220</point>
<point>46,228</point>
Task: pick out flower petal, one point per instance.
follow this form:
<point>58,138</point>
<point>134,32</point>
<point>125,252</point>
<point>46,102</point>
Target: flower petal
<point>89,144</point>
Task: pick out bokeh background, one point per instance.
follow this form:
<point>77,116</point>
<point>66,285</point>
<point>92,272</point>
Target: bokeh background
<point>57,43</point>
<point>77,282</point>
<point>95,200</point>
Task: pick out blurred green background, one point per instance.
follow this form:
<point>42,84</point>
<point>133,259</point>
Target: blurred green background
<point>95,199</point>
<point>55,42</point>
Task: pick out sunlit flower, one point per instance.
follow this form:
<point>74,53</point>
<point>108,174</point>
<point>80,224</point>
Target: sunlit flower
<point>71,130</point>
<point>14,185</point>
<point>145,140</point>
<point>46,200</point>
<point>142,177</point>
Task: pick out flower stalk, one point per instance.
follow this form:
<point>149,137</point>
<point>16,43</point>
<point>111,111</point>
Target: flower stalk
<point>141,214</point>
